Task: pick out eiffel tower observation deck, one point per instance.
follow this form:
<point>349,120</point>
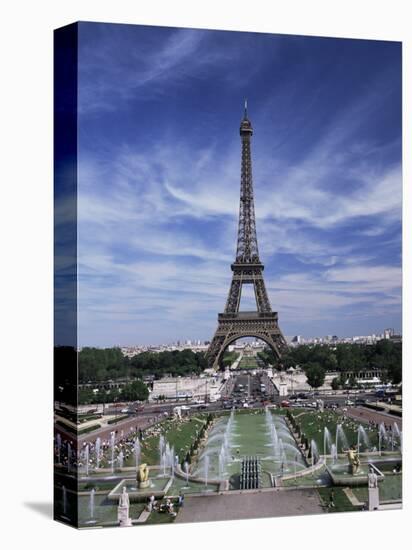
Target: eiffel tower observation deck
<point>247,270</point>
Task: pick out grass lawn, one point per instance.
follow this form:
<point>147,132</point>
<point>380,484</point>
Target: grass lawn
<point>157,518</point>
<point>248,363</point>
<point>342,503</point>
<point>180,435</point>
<point>390,488</point>
<point>313,423</point>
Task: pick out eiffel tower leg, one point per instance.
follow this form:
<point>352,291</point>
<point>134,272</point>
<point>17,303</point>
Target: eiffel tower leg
<point>214,351</point>
<point>280,344</point>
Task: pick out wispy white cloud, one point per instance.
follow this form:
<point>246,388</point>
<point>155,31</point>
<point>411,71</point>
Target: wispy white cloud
<point>158,217</point>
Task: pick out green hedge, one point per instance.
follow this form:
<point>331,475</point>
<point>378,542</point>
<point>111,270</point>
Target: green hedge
<point>374,407</point>
<point>117,419</point>
<point>89,429</point>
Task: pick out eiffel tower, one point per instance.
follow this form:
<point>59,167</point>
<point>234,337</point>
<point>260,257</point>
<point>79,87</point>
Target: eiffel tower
<point>247,269</point>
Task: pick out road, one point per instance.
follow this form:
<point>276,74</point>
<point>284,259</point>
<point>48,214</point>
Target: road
<point>255,389</point>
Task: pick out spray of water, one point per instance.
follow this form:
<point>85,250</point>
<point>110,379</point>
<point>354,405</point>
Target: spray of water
<point>97,452</point>
<point>137,452</point>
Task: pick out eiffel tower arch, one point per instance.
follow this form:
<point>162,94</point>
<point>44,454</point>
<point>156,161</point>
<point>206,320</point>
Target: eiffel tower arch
<point>247,270</point>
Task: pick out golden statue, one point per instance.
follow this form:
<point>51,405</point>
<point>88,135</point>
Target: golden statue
<point>354,461</point>
<point>143,475</point>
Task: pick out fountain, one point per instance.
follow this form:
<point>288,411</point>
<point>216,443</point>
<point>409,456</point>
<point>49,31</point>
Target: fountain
<point>327,441</point>
<point>362,437</point>
<point>167,458</point>
<point>120,459</point>
<point>382,435</point>
<point>206,466</point>
<point>172,461</point>
<point>97,452</point>
<point>222,462</point>
<point>112,441</point>
<point>86,460</point>
<point>314,453</point>
<point>398,433</point>
<point>137,452</point>
<point>161,447</point>
<point>334,453</point>
<point>265,437</point>
<point>163,465</point>
<point>273,432</point>
<point>186,471</point>
<point>282,453</point>
<point>91,507</point>
<point>340,435</point>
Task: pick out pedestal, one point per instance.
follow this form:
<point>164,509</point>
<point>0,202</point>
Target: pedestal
<point>373,498</point>
<point>123,516</point>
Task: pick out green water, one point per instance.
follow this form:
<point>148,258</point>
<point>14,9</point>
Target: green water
<point>250,435</point>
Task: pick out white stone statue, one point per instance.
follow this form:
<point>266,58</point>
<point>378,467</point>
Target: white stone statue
<point>373,490</point>
<point>124,498</point>
<point>123,509</point>
<point>150,504</point>
<point>372,480</point>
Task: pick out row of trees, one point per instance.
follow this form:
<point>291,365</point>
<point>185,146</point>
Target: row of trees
<point>229,357</point>
<point>110,364</point>
<point>318,359</point>
<point>134,391</point>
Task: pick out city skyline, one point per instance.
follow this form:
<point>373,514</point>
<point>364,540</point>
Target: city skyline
<point>321,338</point>
<point>159,178</point>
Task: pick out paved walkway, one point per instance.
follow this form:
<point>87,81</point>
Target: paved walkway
<point>250,505</point>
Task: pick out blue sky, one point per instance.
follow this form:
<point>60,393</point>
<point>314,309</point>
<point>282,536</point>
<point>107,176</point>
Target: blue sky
<point>159,171</point>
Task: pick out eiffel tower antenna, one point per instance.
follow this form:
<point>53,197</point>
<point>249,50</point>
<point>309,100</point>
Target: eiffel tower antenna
<point>247,269</point>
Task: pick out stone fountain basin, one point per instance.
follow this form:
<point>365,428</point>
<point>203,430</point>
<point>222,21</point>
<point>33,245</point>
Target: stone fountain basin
<point>158,488</point>
<point>340,474</point>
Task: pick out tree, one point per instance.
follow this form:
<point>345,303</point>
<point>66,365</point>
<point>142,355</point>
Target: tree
<point>135,391</point>
<point>86,396</point>
<point>335,383</point>
<point>229,357</point>
<point>315,375</point>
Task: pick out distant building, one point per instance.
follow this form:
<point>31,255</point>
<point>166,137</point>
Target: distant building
<point>388,333</point>
<point>187,388</point>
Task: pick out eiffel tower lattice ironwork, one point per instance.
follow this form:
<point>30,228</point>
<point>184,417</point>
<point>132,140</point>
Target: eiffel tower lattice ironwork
<point>247,269</point>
